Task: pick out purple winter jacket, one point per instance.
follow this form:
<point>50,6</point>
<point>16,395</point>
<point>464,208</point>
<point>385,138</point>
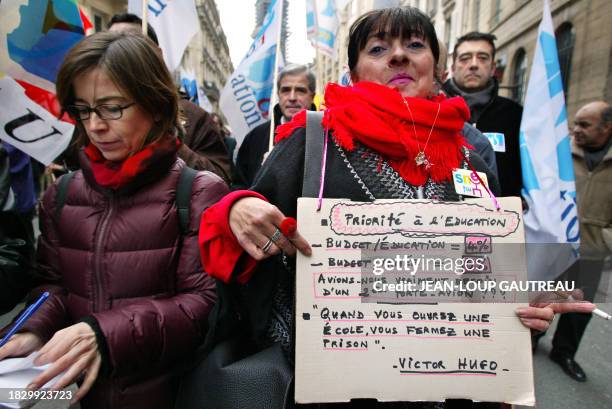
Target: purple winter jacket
<point>118,256</point>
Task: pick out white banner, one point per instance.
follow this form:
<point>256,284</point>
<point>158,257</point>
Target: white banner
<point>546,159</point>
<point>28,126</point>
<point>245,99</point>
<point>175,23</point>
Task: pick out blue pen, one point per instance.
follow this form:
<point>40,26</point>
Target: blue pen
<point>24,317</point>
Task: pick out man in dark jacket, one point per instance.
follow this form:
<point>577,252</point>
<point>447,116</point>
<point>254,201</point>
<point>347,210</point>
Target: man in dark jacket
<point>203,147</point>
<point>498,118</point>
<point>296,89</point>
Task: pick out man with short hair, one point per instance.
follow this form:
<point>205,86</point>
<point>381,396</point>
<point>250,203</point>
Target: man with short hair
<point>203,147</point>
<point>296,87</point>
<point>592,157</point>
<point>473,136</point>
<point>498,118</point>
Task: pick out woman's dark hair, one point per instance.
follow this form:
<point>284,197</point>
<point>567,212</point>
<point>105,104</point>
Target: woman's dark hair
<point>394,22</point>
<point>134,64</point>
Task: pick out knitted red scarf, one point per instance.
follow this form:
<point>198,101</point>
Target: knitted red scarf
<point>118,174</point>
<point>376,116</point>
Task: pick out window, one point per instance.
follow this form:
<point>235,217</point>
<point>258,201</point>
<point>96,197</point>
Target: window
<point>447,30</point>
<point>476,14</point>
<point>565,47</point>
<point>98,23</point>
<point>432,7</point>
<point>518,79</point>
<point>496,13</point>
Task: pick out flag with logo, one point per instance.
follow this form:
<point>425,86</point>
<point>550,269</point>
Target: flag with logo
<point>245,99</point>
<point>551,223</point>
<point>322,25</point>
<point>175,23</point>
<point>189,84</point>
<point>34,38</point>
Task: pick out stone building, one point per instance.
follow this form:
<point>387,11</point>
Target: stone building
<point>207,55</point>
<point>101,11</point>
<point>582,29</point>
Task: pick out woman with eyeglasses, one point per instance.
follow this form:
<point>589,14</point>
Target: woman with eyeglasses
<point>129,297</point>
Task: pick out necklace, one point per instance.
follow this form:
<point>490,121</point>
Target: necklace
<point>421,158</point>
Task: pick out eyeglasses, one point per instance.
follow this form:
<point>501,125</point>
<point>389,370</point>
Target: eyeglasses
<point>104,111</point>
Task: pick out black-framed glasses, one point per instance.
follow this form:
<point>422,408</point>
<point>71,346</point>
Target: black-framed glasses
<point>104,111</point>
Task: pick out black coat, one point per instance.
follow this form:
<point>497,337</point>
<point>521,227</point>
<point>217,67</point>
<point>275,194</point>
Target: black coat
<point>503,115</point>
<point>252,150</point>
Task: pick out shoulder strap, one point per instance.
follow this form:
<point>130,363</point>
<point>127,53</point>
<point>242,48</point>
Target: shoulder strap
<point>183,197</point>
<point>62,190</point>
<point>313,154</point>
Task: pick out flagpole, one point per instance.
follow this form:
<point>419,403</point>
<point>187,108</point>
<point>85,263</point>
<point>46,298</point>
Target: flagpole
<point>144,17</point>
<point>319,71</point>
<point>275,79</point>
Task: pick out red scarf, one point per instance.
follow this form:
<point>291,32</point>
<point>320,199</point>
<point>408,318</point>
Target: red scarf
<point>118,174</point>
<point>376,116</point>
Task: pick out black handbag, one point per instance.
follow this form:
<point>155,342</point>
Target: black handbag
<point>230,378</point>
<point>14,274</point>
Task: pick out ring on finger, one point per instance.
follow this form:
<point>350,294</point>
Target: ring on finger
<point>267,246</point>
<point>276,235</point>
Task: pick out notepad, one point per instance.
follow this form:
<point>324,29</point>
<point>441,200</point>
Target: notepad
<point>15,375</point>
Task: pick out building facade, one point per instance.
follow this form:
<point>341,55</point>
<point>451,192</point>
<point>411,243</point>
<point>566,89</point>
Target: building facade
<point>207,56</point>
<point>582,30</point>
<point>100,12</point>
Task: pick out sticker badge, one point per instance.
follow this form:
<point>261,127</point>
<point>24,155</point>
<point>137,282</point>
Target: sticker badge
<point>468,184</point>
<point>498,140</point>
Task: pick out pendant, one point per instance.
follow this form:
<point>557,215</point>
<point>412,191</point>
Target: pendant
<point>421,159</point>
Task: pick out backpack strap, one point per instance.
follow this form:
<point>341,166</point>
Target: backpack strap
<point>313,154</point>
<point>62,190</point>
<point>183,197</point>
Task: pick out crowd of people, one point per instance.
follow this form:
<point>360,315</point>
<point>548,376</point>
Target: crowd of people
<point>161,253</point>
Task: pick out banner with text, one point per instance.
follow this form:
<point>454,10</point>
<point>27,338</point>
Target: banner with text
<point>245,99</point>
<point>392,349</point>
<point>175,23</point>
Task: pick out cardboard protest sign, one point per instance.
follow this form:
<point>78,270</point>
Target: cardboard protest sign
<point>441,335</point>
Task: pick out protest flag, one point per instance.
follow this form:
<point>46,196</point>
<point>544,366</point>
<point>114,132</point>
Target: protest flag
<point>322,25</point>
<point>28,126</point>
<point>175,23</point>
<point>246,98</point>
<point>34,38</point>
<point>551,222</point>
<point>189,84</point>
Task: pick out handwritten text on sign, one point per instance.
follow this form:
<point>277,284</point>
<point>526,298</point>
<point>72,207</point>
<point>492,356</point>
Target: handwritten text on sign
<point>349,349</point>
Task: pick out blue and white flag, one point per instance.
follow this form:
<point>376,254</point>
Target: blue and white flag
<point>175,23</point>
<point>245,99</point>
<point>322,25</point>
<point>189,84</point>
<point>546,159</point>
